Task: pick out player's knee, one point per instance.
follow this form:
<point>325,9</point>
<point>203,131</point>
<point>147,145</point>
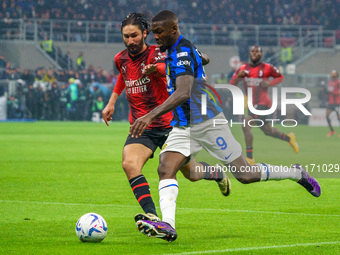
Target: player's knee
<point>246,129</point>
<point>247,132</point>
<point>165,171</point>
<point>162,173</point>
<point>128,166</point>
<point>131,169</point>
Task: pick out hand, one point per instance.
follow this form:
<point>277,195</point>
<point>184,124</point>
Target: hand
<point>150,68</point>
<point>137,128</point>
<point>108,112</point>
<point>264,84</point>
<point>242,74</point>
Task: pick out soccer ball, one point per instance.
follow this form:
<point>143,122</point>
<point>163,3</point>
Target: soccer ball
<point>91,227</point>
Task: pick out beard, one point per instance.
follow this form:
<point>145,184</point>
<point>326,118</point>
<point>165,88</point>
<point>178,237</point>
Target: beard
<point>135,49</point>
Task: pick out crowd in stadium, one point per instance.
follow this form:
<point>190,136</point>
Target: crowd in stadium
<point>292,12</point>
<point>46,93</point>
<point>288,12</point>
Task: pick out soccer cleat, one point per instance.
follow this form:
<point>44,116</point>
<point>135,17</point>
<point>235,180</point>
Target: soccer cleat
<point>293,142</point>
<point>224,184</point>
<point>147,216</point>
<point>251,161</point>
<point>308,182</point>
<point>330,134</point>
<point>160,229</point>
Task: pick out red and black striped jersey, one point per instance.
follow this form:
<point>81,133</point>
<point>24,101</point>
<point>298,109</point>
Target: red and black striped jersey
<point>254,76</point>
<point>334,92</point>
<point>143,92</point>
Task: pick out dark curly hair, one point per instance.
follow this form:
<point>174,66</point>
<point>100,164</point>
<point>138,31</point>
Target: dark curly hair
<point>139,19</point>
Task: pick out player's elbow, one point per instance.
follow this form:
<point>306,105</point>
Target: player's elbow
<point>186,96</point>
<point>183,97</point>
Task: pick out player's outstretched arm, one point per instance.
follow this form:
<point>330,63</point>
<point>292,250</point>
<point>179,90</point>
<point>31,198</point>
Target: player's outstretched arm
<point>180,95</point>
<point>110,108</point>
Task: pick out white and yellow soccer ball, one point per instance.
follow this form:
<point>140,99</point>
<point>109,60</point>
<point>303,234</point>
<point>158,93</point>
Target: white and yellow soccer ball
<point>91,227</point>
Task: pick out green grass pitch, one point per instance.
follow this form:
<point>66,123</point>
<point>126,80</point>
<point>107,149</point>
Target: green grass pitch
<point>51,173</point>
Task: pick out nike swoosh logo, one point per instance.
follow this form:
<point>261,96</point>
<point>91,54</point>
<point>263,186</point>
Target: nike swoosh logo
<point>228,156</point>
<point>158,226</point>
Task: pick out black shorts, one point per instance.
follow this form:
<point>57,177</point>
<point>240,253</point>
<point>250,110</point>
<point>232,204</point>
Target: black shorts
<point>151,138</point>
<point>333,107</point>
<point>260,117</point>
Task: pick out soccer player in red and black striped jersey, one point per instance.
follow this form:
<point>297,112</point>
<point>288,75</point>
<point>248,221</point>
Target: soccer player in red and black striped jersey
<point>333,99</point>
<point>256,75</point>
<point>142,75</point>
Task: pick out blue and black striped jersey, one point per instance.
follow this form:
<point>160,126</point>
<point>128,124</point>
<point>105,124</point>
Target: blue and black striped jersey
<point>185,59</point>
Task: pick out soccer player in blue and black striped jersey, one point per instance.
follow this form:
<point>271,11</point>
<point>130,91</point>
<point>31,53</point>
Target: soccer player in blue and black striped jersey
<point>195,128</point>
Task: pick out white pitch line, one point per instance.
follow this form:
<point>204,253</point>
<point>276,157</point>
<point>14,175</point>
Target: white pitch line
<point>254,248</point>
<point>182,208</point>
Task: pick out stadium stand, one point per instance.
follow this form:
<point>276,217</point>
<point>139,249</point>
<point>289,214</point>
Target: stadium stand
<point>306,25</point>
<point>288,12</point>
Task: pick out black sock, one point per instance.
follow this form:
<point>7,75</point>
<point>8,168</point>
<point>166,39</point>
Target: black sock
<point>249,151</point>
<point>141,189</point>
<point>286,138</point>
<point>210,173</point>
<point>329,124</point>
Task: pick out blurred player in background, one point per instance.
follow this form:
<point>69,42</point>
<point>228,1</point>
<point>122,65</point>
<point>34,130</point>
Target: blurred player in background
<point>193,130</point>
<point>256,75</point>
<point>142,74</point>
<point>333,90</point>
